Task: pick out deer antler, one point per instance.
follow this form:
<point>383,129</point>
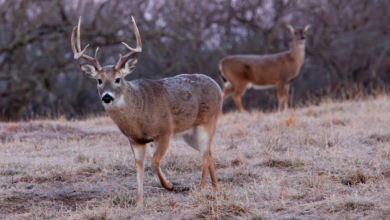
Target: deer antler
<point>123,59</point>
<point>80,54</point>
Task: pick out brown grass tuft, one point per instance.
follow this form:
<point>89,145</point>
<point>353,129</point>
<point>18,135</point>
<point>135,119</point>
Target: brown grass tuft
<point>12,127</point>
<point>121,198</point>
<point>380,138</point>
<point>356,177</point>
<point>292,121</point>
<point>224,210</point>
<point>281,163</point>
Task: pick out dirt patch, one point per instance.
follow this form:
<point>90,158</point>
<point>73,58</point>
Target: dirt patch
<point>21,202</point>
<point>353,206</point>
<point>89,169</point>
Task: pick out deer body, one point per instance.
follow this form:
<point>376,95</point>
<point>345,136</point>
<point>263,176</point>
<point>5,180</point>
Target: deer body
<point>263,71</point>
<point>152,110</point>
<point>171,105</point>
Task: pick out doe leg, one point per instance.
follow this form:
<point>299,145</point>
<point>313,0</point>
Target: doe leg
<point>227,90</point>
<point>280,90</point>
<point>286,89</point>
<point>237,100</point>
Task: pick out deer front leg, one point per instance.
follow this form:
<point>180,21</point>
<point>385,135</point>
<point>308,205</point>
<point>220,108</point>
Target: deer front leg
<point>239,90</point>
<point>237,100</point>
<point>227,90</point>
<point>160,150</point>
<point>139,156</point>
<point>281,92</point>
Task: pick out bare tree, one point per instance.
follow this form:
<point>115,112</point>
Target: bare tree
<point>348,45</point>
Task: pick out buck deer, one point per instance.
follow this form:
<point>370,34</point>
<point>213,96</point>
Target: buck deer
<point>241,72</point>
<point>152,110</point>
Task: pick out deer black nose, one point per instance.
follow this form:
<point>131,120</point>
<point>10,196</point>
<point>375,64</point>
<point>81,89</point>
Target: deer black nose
<point>302,38</point>
<point>107,98</point>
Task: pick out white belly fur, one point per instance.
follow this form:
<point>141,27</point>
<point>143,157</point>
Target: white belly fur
<point>250,85</point>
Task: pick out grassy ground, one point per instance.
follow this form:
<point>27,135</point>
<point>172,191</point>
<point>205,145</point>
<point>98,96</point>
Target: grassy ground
<point>321,162</point>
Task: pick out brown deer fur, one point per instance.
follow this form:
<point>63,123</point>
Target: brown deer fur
<point>264,71</point>
<point>152,110</point>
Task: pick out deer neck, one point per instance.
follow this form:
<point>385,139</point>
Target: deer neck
<point>132,110</point>
<point>298,52</point>
<point>128,103</point>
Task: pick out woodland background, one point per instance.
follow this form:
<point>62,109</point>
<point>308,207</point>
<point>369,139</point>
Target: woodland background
<point>347,47</point>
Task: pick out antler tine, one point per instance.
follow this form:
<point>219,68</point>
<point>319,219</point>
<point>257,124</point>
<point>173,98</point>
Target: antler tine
<point>123,59</point>
<point>96,52</point>
<point>138,37</point>
<point>78,35</point>
<point>80,54</point>
<point>72,41</point>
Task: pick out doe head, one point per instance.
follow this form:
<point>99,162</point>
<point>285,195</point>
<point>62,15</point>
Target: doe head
<point>110,79</point>
<point>299,35</point>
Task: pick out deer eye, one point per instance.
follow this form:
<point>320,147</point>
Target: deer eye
<point>100,81</point>
<point>117,80</point>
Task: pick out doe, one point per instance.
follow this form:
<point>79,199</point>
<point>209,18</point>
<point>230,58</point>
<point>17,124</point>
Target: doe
<point>241,72</point>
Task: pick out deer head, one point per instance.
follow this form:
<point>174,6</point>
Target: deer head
<point>299,35</point>
<point>110,79</point>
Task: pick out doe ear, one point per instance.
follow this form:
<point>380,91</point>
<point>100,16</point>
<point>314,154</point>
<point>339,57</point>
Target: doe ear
<point>89,70</point>
<point>290,28</point>
<point>129,66</point>
<point>307,28</point>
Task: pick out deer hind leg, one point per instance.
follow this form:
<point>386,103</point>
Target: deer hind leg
<point>200,139</point>
<point>139,151</point>
<point>212,170</point>
<point>161,148</point>
<point>286,89</point>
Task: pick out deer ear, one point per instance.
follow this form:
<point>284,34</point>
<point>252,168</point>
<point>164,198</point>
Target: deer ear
<point>306,28</point>
<point>129,66</point>
<point>89,70</point>
<point>290,28</point>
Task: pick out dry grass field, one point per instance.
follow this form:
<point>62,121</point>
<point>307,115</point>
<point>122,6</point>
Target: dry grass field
<point>330,161</point>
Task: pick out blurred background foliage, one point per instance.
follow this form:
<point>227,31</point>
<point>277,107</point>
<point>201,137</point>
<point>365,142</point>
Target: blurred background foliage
<point>347,47</point>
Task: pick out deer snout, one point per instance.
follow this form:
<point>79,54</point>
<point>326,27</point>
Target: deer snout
<point>107,98</point>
